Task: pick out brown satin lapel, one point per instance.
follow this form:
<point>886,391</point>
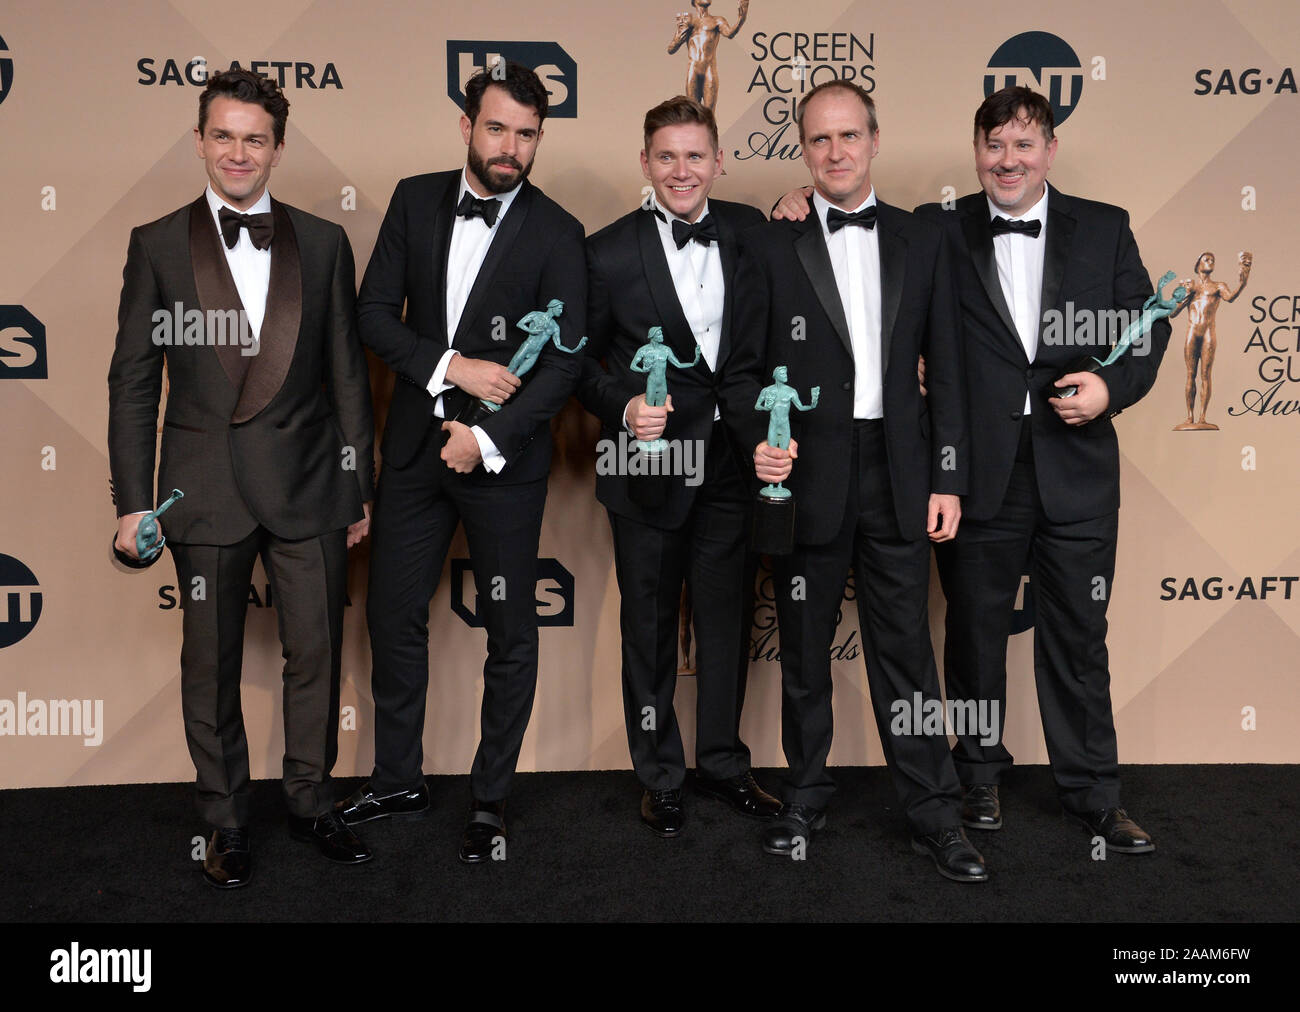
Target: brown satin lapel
<point>280,324</point>
<point>215,284</point>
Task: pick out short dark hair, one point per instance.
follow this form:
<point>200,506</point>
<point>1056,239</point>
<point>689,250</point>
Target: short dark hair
<point>524,86</point>
<point>677,111</point>
<point>1015,102</point>
<point>842,85</point>
<point>245,86</point>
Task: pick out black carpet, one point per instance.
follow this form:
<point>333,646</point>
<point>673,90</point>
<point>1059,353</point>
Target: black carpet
<point>1225,836</point>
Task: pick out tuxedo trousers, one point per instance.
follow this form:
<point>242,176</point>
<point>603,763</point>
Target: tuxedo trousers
<point>708,552</point>
<point>892,588</point>
<point>1071,567</point>
<point>309,587</point>
<point>417,510</point>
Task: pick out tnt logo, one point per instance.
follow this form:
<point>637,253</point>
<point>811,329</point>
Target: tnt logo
<point>22,345</point>
<point>556,68</point>
<point>1041,61</point>
<point>20,601</point>
<point>553,595</point>
<point>6,70</point>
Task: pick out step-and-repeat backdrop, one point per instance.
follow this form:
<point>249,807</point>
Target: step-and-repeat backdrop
<point>1184,113</point>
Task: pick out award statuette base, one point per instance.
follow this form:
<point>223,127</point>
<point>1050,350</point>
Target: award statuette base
<point>773,532</point>
<point>1196,427</point>
<point>142,563</point>
<point>648,480</point>
<point>1085,364</point>
<point>475,412</point>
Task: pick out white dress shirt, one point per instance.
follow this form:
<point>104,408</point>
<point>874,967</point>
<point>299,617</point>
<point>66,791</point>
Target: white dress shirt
<point>470,239</point>
<point>696,271</point>
<point>1020,271</point>
<point>250,266</point>
<point>855,259</point>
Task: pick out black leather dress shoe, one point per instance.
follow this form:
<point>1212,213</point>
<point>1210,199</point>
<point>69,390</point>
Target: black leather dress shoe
<point>332,837</point>
<point>364,804</point>
<point>228,862</point>
<point>485,826</point>
<point>742,793</point>
<point>952,854</point>
<point>662,812</point>
<point>794,822</point>
<point>980,807</point>
<point>1114,826</point>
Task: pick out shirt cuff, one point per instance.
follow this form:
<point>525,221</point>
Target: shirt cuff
<point>438,384</point>
<point>493,462</point>
<point>626,424</point>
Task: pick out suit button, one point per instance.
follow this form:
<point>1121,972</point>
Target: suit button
<point>1015,416</point>
<point>1029,374</point>
<point>846,385</point>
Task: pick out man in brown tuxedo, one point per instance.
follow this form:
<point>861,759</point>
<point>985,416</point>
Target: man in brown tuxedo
<point>268,432</point>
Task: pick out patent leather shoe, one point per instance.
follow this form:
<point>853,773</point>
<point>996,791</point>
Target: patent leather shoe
<point>228,860</point>
<point>332,837</point>
<point>485,832</point>
<point>793,824</point>
<point>742,793</point>
<point>365,804</point>
<point>952,854</point>
<point>662,812</point>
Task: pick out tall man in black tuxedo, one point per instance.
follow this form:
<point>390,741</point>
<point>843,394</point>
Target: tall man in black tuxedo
<point>847,299</point>
<point>1044,482</point>
<point>466,254</point>
<point>672,264</point>
<point>271,442</point>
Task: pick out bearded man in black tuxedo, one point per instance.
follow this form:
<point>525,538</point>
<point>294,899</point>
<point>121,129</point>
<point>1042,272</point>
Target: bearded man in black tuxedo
<point>268,432</point>
<point>461,257</point>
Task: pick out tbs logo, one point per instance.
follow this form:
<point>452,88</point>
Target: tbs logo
<point>1040,61</point>
<point>556,68</point>
<point>553,594</point>
<point>22,345</point>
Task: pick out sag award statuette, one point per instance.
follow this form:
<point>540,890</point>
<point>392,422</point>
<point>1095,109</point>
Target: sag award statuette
<point>149,539</point>
<point>1155,308</point>
<point>774,512</point>
<point>653,359</point>
<point>542,329</point>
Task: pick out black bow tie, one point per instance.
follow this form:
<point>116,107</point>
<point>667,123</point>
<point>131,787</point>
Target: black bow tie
<point>837,219</point>
<point>1001,226</point>
<point>261,227</point>
<point>703,231</point>
<point>471,206</point>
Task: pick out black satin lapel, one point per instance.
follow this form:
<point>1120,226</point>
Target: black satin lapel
<point>893,275</point>
<point>507,232</point>
<point>215,286</point>
<point>727,249</point>
<point>979,241</point>
<point>443,218</point>
<point>663,293</point>
<point>810,247</point>
<point>1060,237</point>
<point>280,323</point>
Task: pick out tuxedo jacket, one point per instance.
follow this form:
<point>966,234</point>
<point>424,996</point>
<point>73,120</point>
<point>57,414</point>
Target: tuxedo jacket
<point>536,255</point>
<point>631,290</point>
<point>788,309</point>
<point>283,438</point>
<point>1091,263</point>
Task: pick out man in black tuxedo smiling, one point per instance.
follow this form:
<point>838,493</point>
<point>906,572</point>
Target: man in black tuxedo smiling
<point>271,442</point>
<point>1044,489</point>
<point>671,264</point>
<point>461,257</point>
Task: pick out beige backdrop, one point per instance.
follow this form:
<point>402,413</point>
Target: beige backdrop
<point>89,152</point>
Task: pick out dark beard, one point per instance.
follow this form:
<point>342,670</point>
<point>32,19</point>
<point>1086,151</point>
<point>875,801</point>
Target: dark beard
<point>480,171</point>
